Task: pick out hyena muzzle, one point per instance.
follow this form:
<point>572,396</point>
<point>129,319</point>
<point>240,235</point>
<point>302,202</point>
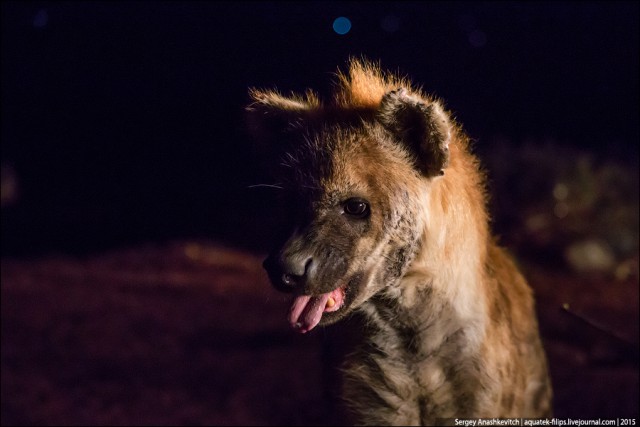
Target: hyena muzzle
<point>387,216</point>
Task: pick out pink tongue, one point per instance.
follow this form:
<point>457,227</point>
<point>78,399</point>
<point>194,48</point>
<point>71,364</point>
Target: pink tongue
<point>306,311</point>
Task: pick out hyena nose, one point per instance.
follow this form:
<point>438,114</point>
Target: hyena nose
<point>289,273</point>
<point>295,273</point>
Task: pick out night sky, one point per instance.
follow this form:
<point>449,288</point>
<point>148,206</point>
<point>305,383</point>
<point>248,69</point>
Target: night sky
<point>123,121</point>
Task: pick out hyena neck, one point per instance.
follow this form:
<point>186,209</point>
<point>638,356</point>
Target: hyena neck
<point>420,320</point>
<point>441,294</point>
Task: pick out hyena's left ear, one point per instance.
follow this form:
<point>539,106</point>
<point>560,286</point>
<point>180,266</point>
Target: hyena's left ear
<point>422,127</point>
<point>273,120</point>
<point>270,113</point>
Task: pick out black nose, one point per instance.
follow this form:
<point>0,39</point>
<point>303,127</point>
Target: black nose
<point>288,273</point>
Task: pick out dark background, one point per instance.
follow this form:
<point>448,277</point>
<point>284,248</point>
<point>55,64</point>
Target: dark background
<point>123,121</point>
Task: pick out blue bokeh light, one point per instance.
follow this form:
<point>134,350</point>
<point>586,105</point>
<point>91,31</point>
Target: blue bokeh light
<point>341,25</point>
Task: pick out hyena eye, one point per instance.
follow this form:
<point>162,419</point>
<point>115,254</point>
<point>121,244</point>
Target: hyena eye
<point>356,207</point>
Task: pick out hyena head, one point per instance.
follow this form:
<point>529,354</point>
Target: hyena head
<point>355,174</point>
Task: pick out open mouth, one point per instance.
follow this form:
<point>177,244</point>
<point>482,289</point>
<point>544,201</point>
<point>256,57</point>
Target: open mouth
<point>306,311</point>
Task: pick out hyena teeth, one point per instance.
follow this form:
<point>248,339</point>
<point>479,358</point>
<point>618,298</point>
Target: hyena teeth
<point>330,302</point>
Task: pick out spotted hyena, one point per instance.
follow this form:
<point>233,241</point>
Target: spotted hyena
<point>387,217</point>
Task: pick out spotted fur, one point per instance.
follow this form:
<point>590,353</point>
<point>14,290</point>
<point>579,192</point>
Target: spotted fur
<point>450,325</point>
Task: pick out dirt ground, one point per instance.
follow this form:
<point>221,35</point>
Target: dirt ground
<point>191,333</point>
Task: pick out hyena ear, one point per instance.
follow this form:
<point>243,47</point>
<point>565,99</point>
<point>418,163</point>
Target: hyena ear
<point>270,114</point>
<point>423,127</point>
<point>272,120</point>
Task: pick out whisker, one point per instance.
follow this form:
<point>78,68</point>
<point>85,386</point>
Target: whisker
<point>266,186</point>
<point>310,187</point>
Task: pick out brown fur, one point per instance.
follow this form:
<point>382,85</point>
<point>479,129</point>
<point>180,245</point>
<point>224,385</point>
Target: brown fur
<point>450,324</point>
